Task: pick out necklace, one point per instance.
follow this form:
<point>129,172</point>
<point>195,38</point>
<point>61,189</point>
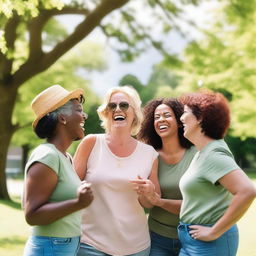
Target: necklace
<point>119,163</point>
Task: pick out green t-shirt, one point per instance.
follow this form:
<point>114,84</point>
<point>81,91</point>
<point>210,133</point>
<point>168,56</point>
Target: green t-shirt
<point>68,181</point>
<point>204,199</point>
<point>161,221</point>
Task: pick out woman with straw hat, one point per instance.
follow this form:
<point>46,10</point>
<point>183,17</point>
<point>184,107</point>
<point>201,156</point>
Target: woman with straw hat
<point>54,194</point>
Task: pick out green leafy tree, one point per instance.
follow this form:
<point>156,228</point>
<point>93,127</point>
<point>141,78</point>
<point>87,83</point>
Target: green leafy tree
<point>162,83</point>
<point>27,48</point>
<point>63,72</point>
<point>224,60</point>
<point>243,151</point>
<point>133,81</point>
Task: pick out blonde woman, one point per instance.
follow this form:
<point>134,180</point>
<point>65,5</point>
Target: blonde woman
<point>115,223</point>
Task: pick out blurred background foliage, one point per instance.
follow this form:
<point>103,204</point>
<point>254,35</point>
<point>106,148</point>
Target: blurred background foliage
<point>222,59</point>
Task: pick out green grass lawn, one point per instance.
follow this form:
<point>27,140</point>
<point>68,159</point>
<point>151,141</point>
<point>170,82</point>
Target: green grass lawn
<point>14,231</point>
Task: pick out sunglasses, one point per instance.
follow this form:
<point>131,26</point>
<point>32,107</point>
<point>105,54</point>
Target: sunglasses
<point>123,105</point>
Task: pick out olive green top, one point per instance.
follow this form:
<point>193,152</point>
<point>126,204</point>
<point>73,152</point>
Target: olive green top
<point>161,221</point>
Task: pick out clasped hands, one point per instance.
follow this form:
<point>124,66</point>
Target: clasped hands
<point>146,188</point>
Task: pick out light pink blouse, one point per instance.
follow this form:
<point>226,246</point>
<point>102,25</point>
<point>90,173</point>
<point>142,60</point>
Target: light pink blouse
<point>115,222</point>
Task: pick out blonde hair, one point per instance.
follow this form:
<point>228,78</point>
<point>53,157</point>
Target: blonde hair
<point>135,103</point>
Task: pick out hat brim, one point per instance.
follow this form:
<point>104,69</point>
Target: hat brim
<point>76,94</point>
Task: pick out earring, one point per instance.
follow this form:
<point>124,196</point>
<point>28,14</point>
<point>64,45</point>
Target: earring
<point>64,122</point>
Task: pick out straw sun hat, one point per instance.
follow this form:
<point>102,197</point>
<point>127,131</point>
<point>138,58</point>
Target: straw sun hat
<point>50,99</point>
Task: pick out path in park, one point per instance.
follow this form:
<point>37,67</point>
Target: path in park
<point>15,187</point>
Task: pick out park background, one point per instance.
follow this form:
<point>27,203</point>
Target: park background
<point>163,48</point>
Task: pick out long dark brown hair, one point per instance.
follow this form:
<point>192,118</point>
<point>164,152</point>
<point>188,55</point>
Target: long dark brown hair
<point>147,132</point>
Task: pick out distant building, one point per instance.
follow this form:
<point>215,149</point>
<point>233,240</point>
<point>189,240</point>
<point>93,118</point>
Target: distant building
<point>14,161</point>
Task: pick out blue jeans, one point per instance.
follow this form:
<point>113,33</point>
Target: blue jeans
<point>87,250</point>
<point>51,246</point>
<point>225,245</point>
<point>164,246</point>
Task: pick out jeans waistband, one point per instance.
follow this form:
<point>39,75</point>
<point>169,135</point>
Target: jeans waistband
<point>185,226</point>
<point>55,237</point>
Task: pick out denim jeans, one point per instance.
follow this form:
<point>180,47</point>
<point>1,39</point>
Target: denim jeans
<point>51,246</point>
<point>87,250</point>
<point>164,246</point>
<point>225,245</point>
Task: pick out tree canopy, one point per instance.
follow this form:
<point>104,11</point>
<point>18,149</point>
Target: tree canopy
<point>64,72</point>
<point>28,47</point>
<point>224,60</point>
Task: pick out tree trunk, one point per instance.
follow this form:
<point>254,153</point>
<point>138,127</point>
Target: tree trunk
<point>8,95</point>
<point>25,150</point>
<point>37,63</point>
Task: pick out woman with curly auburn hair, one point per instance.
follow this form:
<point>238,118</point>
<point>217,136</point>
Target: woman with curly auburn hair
<point>163,130</point>
<point>216,192</point>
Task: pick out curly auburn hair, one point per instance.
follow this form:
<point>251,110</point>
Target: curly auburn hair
<point>147,132</point>
<point>212,110</point>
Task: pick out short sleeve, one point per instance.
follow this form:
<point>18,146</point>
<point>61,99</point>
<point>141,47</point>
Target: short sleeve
<point>44,155</point>
<point>218,164</point>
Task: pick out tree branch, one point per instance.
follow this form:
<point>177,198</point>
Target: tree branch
<point>67,10</point>
<point>35,28</point>
<point>36,25</point>
<point>34,66</point>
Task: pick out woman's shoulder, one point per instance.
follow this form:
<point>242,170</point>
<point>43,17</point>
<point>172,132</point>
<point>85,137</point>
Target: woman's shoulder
<point>45,149</point>
<point>91,138</point>
<point>46,154</point>
<point>89,141</point>
<point>219,147</point>
<point>146,146</point>
<point>192,150</point>
<point>189,155</point>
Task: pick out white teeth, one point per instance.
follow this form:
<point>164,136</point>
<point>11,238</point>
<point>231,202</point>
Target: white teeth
<point>162,127</point>
<point>119,118</point>
<point>82,126</point>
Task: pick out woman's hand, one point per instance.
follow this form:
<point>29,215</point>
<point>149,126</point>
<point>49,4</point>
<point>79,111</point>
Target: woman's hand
<point>84,194</point>
<point>144,187</point>
<point>155,199</point>
<point>202,233</point>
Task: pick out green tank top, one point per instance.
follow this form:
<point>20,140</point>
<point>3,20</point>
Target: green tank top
<point>161,221</point>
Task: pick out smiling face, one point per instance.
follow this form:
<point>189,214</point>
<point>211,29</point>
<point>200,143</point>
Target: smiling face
<point>190,123</point>
<point>75,121</point>
<point>120,111</point>
<point>165,122</point>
